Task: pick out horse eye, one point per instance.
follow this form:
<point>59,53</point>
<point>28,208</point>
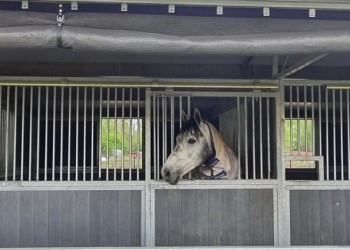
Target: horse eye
<point>191,141</point>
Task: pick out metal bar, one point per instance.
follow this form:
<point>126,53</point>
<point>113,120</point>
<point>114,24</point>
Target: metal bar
<point>155,135</point>
<point>291,117</point>
<point>107,153</point>
<point>92,132</point>
<point>84,150</point>
<point>138,136</point>
<point>130,135</point>
<point>313,119</point>
<point>246,137</point>
<point>163,129</point>
<point>115,133</point>
<point>1,126</point>
<point>158,139</point>
<point>38,136</point>
<point>300,65</point>
<point>305,118</point>
<point>320,120</point>
<point>327,135</point>
<point>15,136</point>
<point>172,122</point>
<point>341,135</point>
<point>30,135</point>
<point>7,132</point>
<point>123,131</point>
<point>23,121</point>
<point>54,133</point>
<point>77,136</point>
<point>46,131</point>
<point>189,105</point>
<point>253,137</point>
<point>268,140</point>
<point>348,129</point>
<point>180,112</point>
<point>165,138</point>
<point>69,131</point>
<point>261,145</point>
<point>334,140</point>
<point>61,134</point>
<point>100,137</point>
<point>329,5</point>
<point>239,136</point>
<point>298,119</point>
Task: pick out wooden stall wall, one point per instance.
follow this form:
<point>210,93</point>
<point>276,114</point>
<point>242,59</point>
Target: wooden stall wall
<point>70,218</point>
<point>221,217</point>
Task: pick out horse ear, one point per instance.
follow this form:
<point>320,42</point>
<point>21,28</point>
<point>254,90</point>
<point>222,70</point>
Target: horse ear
<point>197,116</point>
<point>184,116</point>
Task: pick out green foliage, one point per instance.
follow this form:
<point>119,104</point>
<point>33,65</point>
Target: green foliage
<point>114,134</point>
<point>302,135</point>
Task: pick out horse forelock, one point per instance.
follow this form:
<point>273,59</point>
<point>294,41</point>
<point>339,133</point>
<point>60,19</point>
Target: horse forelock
<point>191,127</point>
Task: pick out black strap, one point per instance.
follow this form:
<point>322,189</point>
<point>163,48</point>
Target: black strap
<point>214,177</point>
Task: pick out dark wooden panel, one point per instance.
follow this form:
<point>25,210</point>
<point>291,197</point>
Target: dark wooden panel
<point>326,215</point>
<point>55,219</point>
<point>313,224</point>
<point>268,219</point>
<point>229,237</point>
<point>242,220</point>
<point>295,218</point>
<point>339,217</point>
<point>255,218</point>
<point>188,205</point>
<point>110,226</point>
<point>303,201</point>
<point>124,218</point>
<point>215,217</point>
<point>13,215</point>
<point>202,220</point>
<point>83,219</point>
<point>69,218</point>
<point>96,218</point>
<point>2,219</point>
<point>161,213</point>
<point>27,219</point>
<point>136,218</point>
<point>175,228</point>
<point>41,218</point>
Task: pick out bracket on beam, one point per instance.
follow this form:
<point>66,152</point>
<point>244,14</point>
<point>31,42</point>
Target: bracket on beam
<point>299,65</point>
<point>25,4</point>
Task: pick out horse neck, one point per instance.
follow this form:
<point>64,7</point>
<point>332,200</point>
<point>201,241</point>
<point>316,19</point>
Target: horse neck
<point>219,144</point>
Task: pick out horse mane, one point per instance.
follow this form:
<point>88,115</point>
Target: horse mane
<point>190,125</point>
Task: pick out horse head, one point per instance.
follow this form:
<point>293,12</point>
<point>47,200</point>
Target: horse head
<point>197,143</point>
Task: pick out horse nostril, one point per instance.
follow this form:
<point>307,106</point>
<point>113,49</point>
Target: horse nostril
<point>167,173</point>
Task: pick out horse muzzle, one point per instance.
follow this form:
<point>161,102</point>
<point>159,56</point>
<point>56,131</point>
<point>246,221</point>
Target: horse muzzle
<point>170,177</point>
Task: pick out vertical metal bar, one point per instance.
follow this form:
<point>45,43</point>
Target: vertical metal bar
<point>172,122</point>
<point>180,111</point>
<point>246,137</point>
<point>92,132</point>
<point>298,119</point>
<point>253,146</point>
<point>15,136</point>
<point>327,135</point>
<point>348,129</point>
<point>30,135</point>
<point>46,131</point>
<point>38,136</point>
<point>7,133</point>
<point>189,105</point>
<point>268,140</point>
<point>239,136</point>
<point>138,136</point>
<point>313,119</point>
<point>158,138</point>
<point>69,131</point>
<point>290,117</point>
<point>341,136</point>
<point>77,136</point>
<point>305,118</point>
<point>54,133</point>
<point>107,153</point>
<point>1,126</point>
<point>163,129</point>
<point>155,135</point>
<point>100,137</point>
<point>84,153</point>
<point>261,144</point>
<point>61,134</point>
<point>130,134</point>
<point>334,140</point>
<point>320,120</point>
<point>115,133</point>
<point>123,131</point>
<point>23,123</point>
